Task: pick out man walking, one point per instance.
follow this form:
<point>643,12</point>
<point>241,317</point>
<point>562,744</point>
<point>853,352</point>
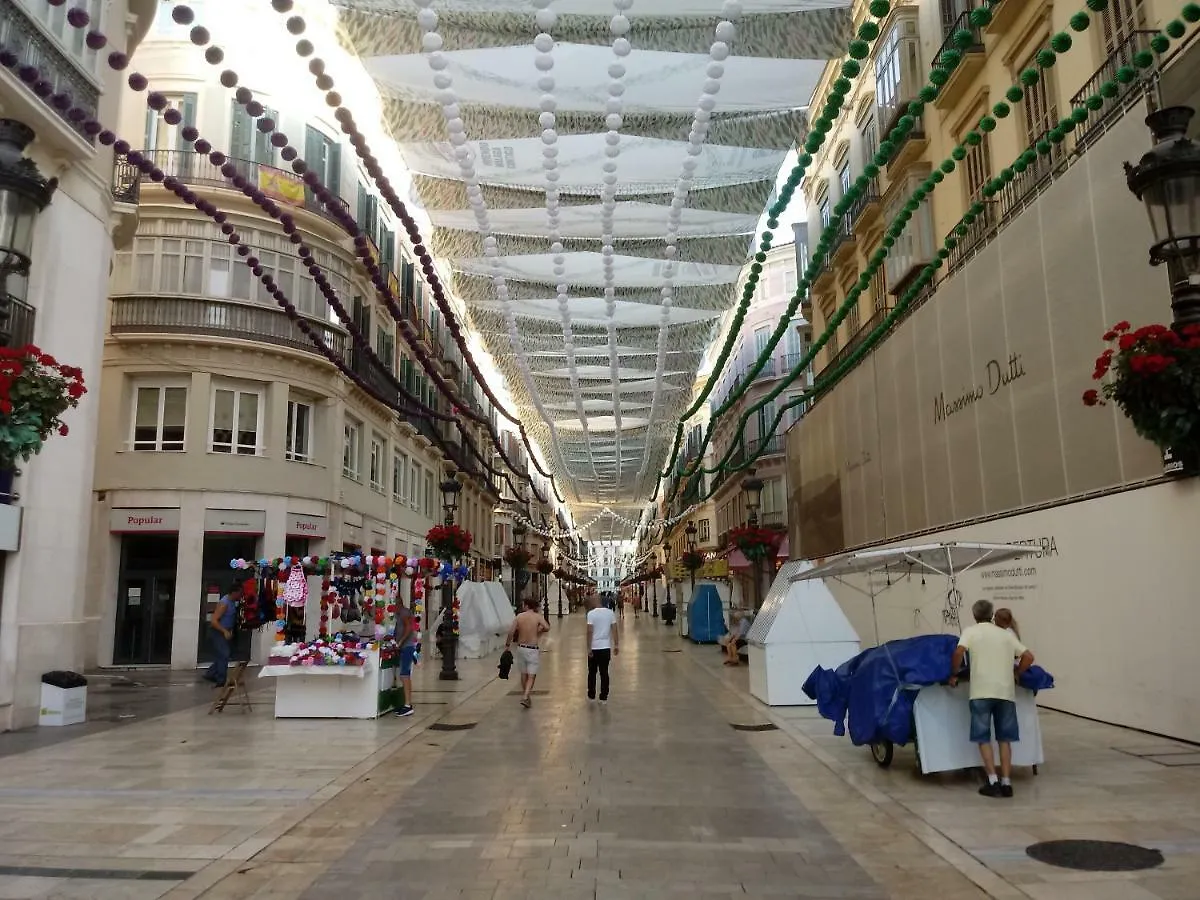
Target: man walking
<point>603,642</point>
<point>408,638</point>
<point>221,625</point>
<point>527,630</point>
<point>993,691</point>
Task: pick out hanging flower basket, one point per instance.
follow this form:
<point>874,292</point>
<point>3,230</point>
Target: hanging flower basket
<point>755,542</point>
<point>692,560</point>
<point>35,390</point>
<point>517,558</point>
<point>1153,376</point>
<point>449,541</point>
<point>544,567</point>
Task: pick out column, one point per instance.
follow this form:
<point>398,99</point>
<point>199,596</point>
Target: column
<point>189,587</point>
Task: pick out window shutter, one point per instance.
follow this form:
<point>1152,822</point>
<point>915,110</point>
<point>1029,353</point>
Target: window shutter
<point>151,123</point>
<point>187,109</point>
<point>362,213</point>
<point>333,167</point>
<point>241,133</point>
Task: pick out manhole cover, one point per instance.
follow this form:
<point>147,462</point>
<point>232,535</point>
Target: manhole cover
<point>1095,856</point>
<point>767,727</point>
<point>446,726</point>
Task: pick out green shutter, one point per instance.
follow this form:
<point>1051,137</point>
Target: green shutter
<point>151,123</point>
<point>333,167</point>
<point>264,153</point>
<point>387,247</point>
<point>241,133</point>
<point>363,206</point>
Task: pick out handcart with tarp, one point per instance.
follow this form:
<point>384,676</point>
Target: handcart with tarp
<point>898,693</point>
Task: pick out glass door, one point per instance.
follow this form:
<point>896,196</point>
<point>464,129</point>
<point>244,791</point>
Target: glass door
<point>216,576</point>
<point>145,600</point>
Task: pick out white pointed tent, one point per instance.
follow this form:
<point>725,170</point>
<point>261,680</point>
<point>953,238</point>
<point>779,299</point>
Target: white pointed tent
<point>594,173</point>
<point>800,626</point>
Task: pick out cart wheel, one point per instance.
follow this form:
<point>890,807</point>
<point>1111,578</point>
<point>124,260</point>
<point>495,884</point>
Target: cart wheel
<point>883,751</point>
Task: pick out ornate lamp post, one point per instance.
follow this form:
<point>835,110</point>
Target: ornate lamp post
<point>545,582</point>
<point>519,533</point>
<point>752,488</point>
<point>666,548</point>
<point>690,531</point>
<point>1167,181</point>
<point>447,639</point>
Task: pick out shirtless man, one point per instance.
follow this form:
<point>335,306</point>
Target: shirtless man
<point>527,629</point>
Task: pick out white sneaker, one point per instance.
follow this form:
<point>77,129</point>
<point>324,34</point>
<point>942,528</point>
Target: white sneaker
<point>604,703</point>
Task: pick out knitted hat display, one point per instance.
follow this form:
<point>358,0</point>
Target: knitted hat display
<point>296,591</point>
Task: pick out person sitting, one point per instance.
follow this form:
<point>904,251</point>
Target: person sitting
<point>735,640</point>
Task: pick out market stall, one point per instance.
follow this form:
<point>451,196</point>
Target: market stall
<point>897,693</point>
<point>799,627</point>
<point>346,666</point>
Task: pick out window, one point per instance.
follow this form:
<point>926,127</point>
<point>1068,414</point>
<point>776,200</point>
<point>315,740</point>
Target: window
<point>352,449</point>
<point>385,347</point>
<point>324,157</point>
<point>236,421</point>
<point>844,178</point>
<point>414,487</point>
<point>368,212</point>
<point>870,143</point>
<point>430,504</point>
<point>853,321</point>
<point>159,418</point>
<point>400,477</point>
<point>915,247</point>
<point>762,337</point>
<point>977,167</point>
<point>246,142</point>
<point>823,212</point>
<point>299,432</point>
<point>1118,23</point>
<point>378,447</point>
<point>772,496</point>
<point>898,71</point>
<point>162,138</point>
<point>72,40</point>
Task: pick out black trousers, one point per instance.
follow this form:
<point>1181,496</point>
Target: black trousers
<point>598,661</point>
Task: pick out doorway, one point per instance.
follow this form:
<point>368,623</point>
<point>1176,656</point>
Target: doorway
<point>215,578</point>
<point>145,600</point>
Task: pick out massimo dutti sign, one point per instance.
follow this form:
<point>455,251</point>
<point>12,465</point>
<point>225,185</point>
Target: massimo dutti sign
<point>997,375</point>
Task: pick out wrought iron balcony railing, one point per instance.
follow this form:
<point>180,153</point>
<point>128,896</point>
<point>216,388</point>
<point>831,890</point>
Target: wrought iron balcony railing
<point>126,181</point>
<point>1122,55</point>
<point>950,29</point>
<point>17,319</point>
<point>56,75</point>
<point>770,447</point>
<point>220,318</point>
<point>197,169</point>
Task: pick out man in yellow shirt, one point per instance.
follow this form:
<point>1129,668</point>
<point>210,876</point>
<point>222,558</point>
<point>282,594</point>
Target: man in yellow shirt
<point>993,691</point>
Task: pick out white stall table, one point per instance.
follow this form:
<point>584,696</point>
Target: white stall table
<point>332,692</point>
<point>943,727</point>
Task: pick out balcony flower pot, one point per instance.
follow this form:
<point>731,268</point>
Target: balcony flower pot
<point>517,558</point>
<point>1152,374</point>
<point>35,390</point>
<point>691,560</point>
<point>756,543</point>
<point>449,541</point>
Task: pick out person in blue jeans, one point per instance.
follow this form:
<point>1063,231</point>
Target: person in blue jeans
<point>408,638</point>
<point>997,661</point>
<point>220,634</point>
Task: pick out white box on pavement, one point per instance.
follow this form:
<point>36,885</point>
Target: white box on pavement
<point>63,706</point>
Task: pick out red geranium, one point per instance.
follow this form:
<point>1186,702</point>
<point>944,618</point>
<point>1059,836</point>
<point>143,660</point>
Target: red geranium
<point>1153,375</point>
<point>35,390</point>
<point>517,557</point>
<point>449,541</point>
<point>756,542</point>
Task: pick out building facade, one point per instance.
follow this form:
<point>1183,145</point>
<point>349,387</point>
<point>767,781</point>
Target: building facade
<point>965,420</point>
<point>224,432</point>
<point>59,307</point>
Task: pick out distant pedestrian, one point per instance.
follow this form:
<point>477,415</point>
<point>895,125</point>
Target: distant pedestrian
<point>603,643</point>
<point>220,633</point>
<point>527,630</point>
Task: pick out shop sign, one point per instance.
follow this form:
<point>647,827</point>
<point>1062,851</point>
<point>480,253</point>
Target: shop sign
<point>143,520</point>
<point>300,525</point>
<point>235,521</point>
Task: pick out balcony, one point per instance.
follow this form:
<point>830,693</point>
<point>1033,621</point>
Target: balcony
<point>857,338</point>
<point>769,370</point>
<point>377,378</point>
<point>218,318</point>
<point>59,75</point>
<point>198,170</point>
<point>126,182</point>
<point>772,446</point>
<point>971,59</point>
<point>1098,121</point>
<point>867,207</point>
<point>17,319</point>
<point>972,237</point>
<point>844,242</point>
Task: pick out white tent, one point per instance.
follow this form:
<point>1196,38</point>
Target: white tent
<point>478,621</point>
<point>502,605</point>
<point>800,626</point>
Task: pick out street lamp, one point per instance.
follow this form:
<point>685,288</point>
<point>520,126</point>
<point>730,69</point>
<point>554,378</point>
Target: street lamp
<point>519,532</point>
<point>545,582</point>
<point>690,531</point>
<point>666,547</point>
<point>24,193</point>
<point>752,487</point>
<point>1167,181</point>
<point>447,640</point>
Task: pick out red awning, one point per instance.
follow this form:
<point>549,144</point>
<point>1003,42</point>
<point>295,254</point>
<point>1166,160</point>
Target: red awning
<point>737,559</point>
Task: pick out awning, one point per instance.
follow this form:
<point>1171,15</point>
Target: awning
<point>737,559</point>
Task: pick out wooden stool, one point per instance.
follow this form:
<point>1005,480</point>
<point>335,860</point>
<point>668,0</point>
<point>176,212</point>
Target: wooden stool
<point>234,686</point>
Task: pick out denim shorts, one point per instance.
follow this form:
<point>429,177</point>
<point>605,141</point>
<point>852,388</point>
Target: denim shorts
<point>408,657</point>
<point>1001,712</point>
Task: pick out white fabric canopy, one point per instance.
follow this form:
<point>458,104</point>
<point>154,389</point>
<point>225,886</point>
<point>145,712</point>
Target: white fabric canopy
<point>648,165</point>
<point>602,423</point>
<point>591,311</point>
<point>631,219</point>
<point>587,269</point>
<point>590,8</point>
<point>600,372</point>
<point>666,82</point>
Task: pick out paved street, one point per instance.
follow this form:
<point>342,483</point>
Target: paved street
<point>655,795</point>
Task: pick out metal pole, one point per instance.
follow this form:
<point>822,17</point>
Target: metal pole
<point>560,612</point>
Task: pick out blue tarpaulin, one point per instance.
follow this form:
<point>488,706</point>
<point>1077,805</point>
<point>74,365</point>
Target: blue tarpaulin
<point>874,692</point>
<point>706,616</point>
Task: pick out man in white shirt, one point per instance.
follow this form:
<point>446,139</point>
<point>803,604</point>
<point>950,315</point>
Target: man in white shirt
<point>603,642</point>
<point>993,691</point>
